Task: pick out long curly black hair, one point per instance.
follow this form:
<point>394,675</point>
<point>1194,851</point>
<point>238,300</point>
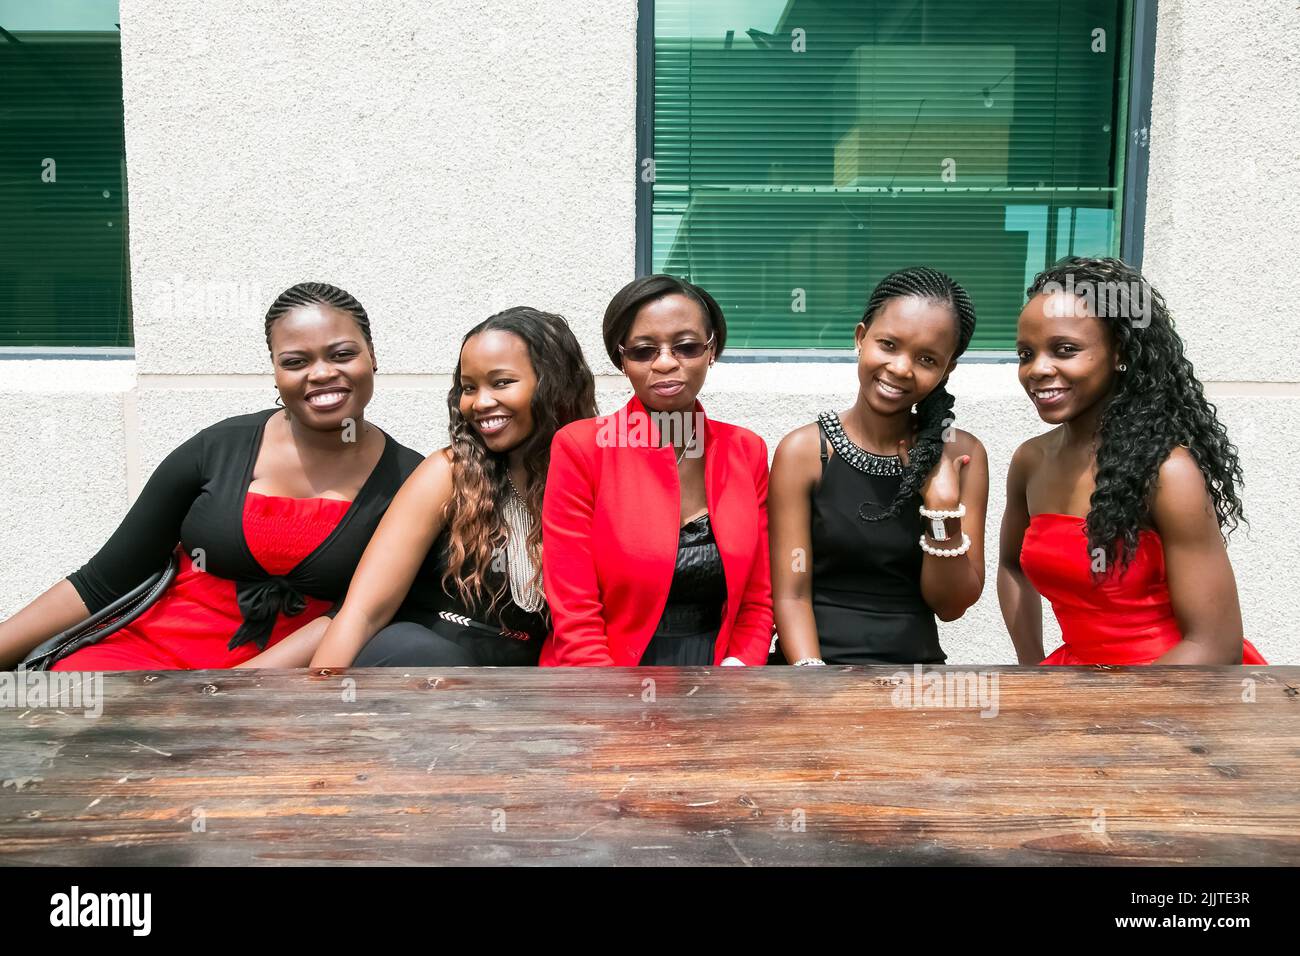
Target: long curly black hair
<point>565,392</point>
<point>934,412</point>
<point>1157,404</point>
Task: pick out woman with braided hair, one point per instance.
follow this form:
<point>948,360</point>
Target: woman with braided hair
<point>453,576</point>
<point>878,511</point>
<point>1118,514</point>
<point>269,511</point>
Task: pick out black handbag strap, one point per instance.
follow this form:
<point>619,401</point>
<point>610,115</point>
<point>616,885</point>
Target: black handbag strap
<point>103,622</point>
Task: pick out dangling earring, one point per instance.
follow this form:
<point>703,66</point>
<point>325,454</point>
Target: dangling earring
<point>1123,367</point>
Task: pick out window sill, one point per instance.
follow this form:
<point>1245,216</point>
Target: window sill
<point>69,372</point>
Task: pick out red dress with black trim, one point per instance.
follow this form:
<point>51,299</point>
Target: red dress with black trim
<point>1126,619</point>
<point>190,626</point>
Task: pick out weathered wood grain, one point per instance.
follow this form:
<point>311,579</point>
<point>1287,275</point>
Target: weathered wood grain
<point>1158,765</point>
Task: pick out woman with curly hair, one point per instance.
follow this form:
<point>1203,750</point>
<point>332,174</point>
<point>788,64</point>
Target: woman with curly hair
<point>453,575</point>
<point>1118,515</point>
<point>878,511</point>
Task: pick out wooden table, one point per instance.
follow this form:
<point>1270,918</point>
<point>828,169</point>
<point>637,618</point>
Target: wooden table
<point>1160,765</point>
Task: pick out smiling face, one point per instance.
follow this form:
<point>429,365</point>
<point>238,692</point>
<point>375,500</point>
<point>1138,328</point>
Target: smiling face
<point>1067,361</point>
<point>905,352</point>
<point>497,382</point>
<point>324,370</point>
<point>668,383</point>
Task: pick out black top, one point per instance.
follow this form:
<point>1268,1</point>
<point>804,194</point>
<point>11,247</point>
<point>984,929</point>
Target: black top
<point>688,628</point>
<point>196,497</point>
<point>866,587</point>
<point>427,600</point>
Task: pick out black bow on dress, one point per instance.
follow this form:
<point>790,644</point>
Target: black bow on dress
<point>260,602</point>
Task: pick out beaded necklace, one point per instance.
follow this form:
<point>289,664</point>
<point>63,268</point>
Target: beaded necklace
<point>867,462</point>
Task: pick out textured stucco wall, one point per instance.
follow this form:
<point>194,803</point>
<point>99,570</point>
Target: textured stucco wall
<point>1223,203</point>
<point>444,163</point>
<point>441,161</point>
<point>63,471</point>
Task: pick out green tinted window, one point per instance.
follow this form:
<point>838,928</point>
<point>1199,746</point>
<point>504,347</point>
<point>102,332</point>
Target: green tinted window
<point>64,279</point>
<point>805,148</point>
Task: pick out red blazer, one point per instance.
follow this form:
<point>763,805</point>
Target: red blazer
<point>610,523</point>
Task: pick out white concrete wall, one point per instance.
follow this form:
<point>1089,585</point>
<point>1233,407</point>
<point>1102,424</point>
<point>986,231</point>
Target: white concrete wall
<point>443,163</point>
<point>1223,204</point>
<point>63,471</point>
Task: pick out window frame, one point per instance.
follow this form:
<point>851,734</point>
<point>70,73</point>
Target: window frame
<point>1136,146</point>
<point>88,352</point>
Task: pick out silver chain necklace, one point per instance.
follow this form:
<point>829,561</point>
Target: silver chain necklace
<point>685,448</point>
<point>524,590</point>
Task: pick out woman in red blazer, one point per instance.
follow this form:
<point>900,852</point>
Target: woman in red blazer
<point>654,524</point>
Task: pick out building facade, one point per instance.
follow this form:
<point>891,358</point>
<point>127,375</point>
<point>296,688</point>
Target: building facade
<point>443,163</point>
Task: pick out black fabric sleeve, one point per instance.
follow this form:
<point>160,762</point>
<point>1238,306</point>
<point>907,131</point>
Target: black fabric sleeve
<point>149,532</point>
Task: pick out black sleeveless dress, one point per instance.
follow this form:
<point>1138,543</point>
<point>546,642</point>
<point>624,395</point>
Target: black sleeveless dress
<point>866,591</point>
<point>435,629</point>
<point>688,628</point>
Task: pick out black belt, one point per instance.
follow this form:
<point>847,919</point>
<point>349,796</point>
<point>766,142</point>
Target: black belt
<point>473,625</point>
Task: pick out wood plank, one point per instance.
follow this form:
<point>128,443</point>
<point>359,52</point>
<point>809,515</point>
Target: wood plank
<point>728,766</point>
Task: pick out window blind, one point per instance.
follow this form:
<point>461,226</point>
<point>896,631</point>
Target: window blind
<point>804,149</point>
<point>64,278</point>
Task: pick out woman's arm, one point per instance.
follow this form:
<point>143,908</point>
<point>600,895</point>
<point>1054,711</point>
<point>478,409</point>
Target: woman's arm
<point>295,650</point>
<point>795,471</point>
<point>391,560</point>
<point>1021,604</point>
<point>1201,583</point>
<point>569,562</point>
<point>138,548</point>
<point>56,610</point>
<point>751,635</point>
<point>951,585</point>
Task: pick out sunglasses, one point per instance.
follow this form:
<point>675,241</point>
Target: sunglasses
<point>641,354</point>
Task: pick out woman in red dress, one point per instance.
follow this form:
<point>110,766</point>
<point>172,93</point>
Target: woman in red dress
<point>271,512</point>
<point>1117,515</point>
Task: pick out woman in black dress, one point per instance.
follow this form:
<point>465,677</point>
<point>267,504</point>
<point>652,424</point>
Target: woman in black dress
<point>877,512</point>
<point>453,575</point>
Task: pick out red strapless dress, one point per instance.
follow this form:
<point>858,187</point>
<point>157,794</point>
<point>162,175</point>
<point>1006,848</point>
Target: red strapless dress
<point>190,626</point>
<point>1125,620</point>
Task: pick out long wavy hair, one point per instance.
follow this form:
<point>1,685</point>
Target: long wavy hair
<point>1157,404</point>
<point>934,412</point>
<point>565,392</point>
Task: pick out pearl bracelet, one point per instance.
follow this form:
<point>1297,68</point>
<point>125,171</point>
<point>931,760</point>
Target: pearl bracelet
<point>959,513</point>
<point>950,553</point>
<point>805,661</point>
<point>936,518</point>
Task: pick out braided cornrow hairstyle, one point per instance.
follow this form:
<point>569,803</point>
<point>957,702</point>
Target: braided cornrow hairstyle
<point>565,392</point>
<point>1157,404</point>
<point>934,412</point>
<point>317,293</point>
